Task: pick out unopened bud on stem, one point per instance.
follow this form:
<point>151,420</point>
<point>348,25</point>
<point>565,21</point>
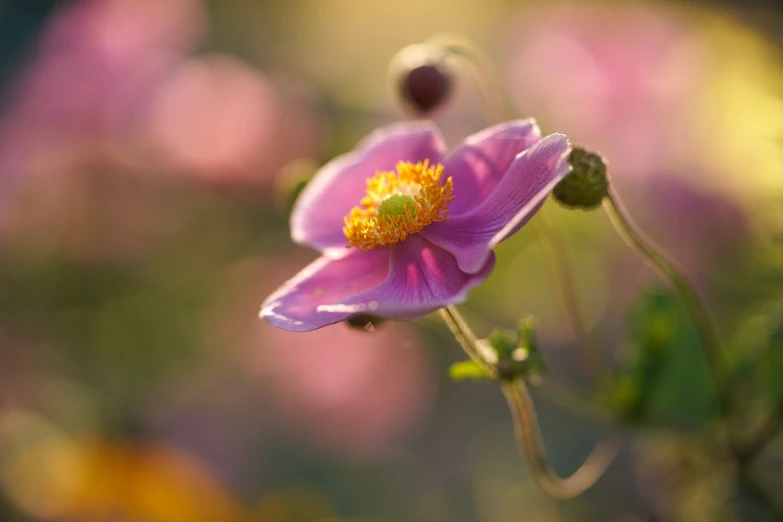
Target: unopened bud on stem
<point>587,184</point>
<point>421,78</point>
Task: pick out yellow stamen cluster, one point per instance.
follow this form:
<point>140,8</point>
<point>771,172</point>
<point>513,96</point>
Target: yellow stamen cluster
<point>399,204</point>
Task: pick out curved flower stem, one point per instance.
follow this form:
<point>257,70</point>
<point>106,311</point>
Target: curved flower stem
<point>691,303</point>
<point>526,420</point>
<point>529,437</point>
<point>484,74</point>
<point>741,453</point>
<point>558,265</point>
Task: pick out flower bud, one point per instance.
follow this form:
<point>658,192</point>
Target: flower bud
<point>421,78</point>
<point>518,355</point>
<point>364,322</point>
<point>587,184</point>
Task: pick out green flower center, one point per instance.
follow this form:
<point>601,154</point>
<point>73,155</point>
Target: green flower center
<point>394,205</point>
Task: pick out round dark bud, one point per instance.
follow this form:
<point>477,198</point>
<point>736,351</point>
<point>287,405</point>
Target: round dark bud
<point>421,78</point>
<point>587,184</point>
<point>425,87</point>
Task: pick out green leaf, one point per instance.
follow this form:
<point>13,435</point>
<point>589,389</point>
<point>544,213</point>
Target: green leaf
<point>666,377</point>
<point>464,370</point>
<point>772,360</point>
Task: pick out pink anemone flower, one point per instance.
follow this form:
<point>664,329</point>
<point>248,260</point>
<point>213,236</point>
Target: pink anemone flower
<point>378,216</point>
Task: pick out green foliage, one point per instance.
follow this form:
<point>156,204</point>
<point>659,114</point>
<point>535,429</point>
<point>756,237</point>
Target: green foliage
<point>773,360</point>
<point>518,354</point>
<point>123,333</point>
<point>759,350</point>
<point>294,193</point>
<point>467,370</point>
<point>666,377</point>
<point>503,342</point>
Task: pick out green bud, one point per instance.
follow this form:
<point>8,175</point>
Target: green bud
<point>528,346</point>
<point>517,351</point>
<point>587,184</point>
<point>503,342</point>
<point>627,398</point>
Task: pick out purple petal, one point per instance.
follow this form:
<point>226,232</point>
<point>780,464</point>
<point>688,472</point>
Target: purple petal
<point>516,197</point>
<point>317,217</point>
<point>294,306</point>
<point>479,163</point>
<point>422,278</point>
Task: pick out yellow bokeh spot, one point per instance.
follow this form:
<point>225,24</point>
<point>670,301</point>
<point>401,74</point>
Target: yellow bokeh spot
<point>738,120</point>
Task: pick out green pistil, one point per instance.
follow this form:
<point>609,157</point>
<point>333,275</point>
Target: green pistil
<point>394,205</point>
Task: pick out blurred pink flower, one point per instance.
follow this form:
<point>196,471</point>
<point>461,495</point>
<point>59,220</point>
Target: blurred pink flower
<point>703,228</point>
<point>350,392</point>
<point>210,113</point>
<point>217,118</point>
<point>615,78</point>
<point>112,92</point>
<point>112,84</point>
<point>623,79</point>
<point>96,62</point>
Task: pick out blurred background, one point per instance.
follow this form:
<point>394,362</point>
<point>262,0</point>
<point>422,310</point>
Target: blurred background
<point>148,150</point>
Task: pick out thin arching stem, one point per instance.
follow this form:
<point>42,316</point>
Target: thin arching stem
<point>493,95</point>
<point>687,295</point>
<point>526,421</point>
<point>529,438</point>
<point>558,265</point>
<point>741,452</point>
